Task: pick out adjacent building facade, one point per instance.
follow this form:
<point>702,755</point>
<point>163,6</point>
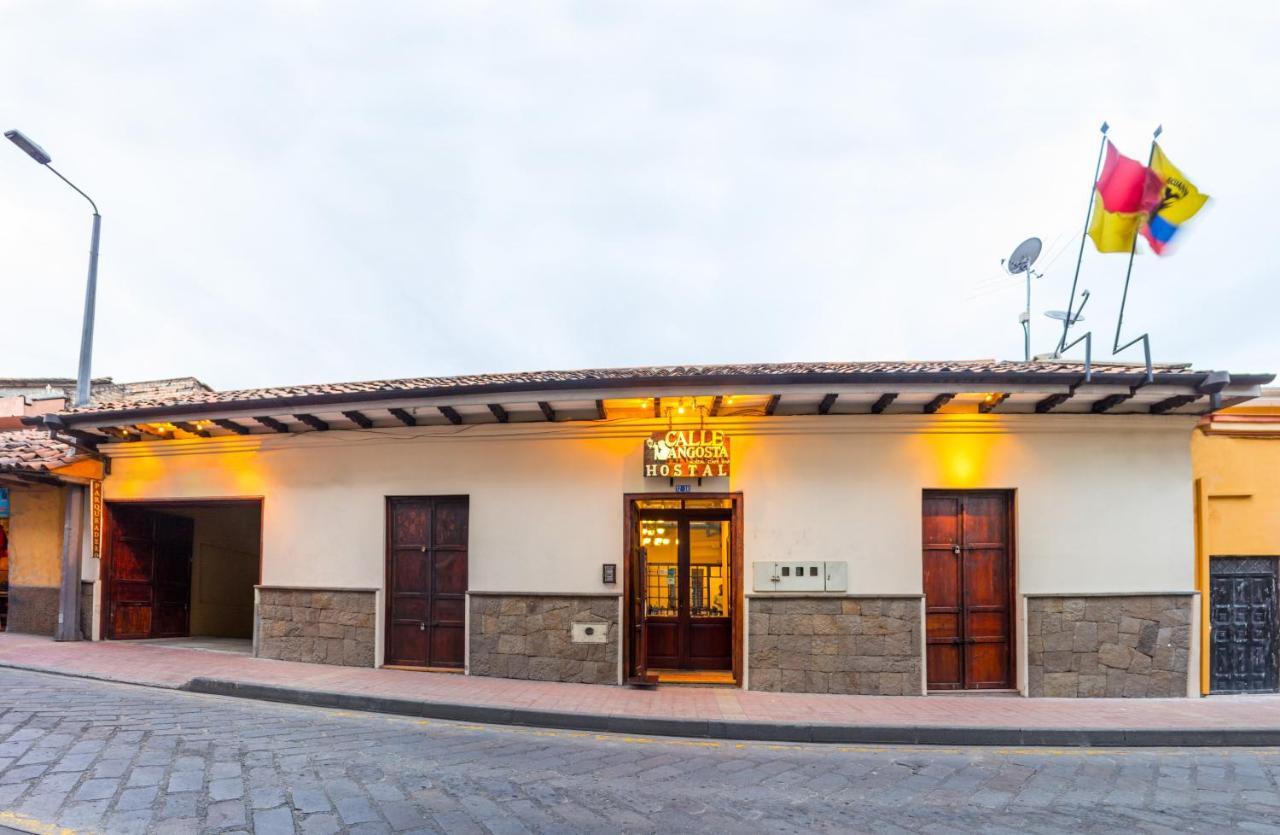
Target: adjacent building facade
<point>870,528</point>
<point>1236,458</point>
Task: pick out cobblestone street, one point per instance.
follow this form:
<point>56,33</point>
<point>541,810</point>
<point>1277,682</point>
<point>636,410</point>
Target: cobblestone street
<point>93,756</point>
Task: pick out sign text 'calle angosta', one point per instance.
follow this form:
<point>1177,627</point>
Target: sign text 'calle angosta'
<point>687,453</point>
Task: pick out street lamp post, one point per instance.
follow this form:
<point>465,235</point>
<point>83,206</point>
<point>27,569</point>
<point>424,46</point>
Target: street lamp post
<point>91,291</point>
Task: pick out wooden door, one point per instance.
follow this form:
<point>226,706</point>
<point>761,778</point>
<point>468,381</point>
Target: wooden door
<point>688,616</point>
<point>639,644</point>
<point>708,596</point>
<point>148,574</point>
<point>427,581</point>
<point>968,587</point>
<point>1243,641</point>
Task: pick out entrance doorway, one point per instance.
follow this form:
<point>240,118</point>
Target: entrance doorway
<point>181,569</point>
<point>426,582</point>
<point>968,589</point>
<point>1243,642</point>
<point>684,588</point>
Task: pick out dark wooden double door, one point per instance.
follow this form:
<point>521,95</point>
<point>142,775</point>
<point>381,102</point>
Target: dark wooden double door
<point>148,573</point>
<point>1243,641</point>
<point>968,589</point>
<point>426,581</point>
<point>686,588</point>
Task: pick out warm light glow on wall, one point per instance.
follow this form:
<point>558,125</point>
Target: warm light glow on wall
<point>961,461</point>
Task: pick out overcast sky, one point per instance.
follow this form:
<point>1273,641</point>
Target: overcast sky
<point>305,192</point>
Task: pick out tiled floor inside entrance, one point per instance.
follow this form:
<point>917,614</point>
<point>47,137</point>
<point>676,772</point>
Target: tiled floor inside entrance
<point>205,643</point>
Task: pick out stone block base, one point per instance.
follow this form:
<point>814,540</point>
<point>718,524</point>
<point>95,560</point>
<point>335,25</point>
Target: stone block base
<point>33,609</point>
<point>528,637</point>
<point>86,610</point>
<point>1119,646</point>
<point>316,625</point>
<point>866,646</point>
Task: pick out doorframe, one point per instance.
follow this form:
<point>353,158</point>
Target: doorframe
<point>737,622</point>
<point>1010,496</point>
<point>388,545</point>
<point>108,555</point>
<point>1274,560</point>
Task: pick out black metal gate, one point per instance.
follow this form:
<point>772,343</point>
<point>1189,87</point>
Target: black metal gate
<point>1242,604</point>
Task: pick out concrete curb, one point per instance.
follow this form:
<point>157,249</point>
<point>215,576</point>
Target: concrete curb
<point>56,671</point>
<point>748,731</point>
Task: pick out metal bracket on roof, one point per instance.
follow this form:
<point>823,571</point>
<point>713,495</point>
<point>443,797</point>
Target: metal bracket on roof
<point>1146,351</point>
<point>1087,339</point>
<point>60,432</point>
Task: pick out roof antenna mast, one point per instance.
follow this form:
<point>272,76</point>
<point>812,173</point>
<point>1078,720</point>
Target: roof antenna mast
<point>1024,255</point>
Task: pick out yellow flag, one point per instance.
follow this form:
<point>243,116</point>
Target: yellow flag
<point>1179,199</point>
<point>1114,231</point>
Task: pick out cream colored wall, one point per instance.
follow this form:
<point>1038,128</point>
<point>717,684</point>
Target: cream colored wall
<point>35,536</point>
<point>1103,504</point>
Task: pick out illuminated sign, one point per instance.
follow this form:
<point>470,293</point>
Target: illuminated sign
<point>4,502</point>
<point>95,517</point>
<point>686,453</point>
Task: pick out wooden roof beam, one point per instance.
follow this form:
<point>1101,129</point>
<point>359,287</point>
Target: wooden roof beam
<point>828,401</point>
<point>989,405</point>
<point>359,419</point>
<point>1052,402</point>
<point>1171,403</point>
<point>314,422</point>
<point>600,412</point>
<point>547,412</point>
<point>499,413</point>
<point>121,434</point>
<point>716,403</point>
<point>657,407</point>
<point>89,439</point>
<point>1109,402</point>
<point>273,424</point>
<point>232,426</point>
<point>878,407</point>
<point>450,414</point>
<point>404,417</point>
<point>143,429</point>
<point>192,429</point>
<point>772,405</point>
<point>937,403</point>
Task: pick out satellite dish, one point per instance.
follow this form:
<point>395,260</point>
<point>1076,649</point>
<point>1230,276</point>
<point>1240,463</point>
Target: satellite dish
<point>1023,257</point>
<point>1061,315</point>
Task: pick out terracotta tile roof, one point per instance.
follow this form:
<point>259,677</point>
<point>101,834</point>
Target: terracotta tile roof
<point>32,451</point>
<point>789,373</point>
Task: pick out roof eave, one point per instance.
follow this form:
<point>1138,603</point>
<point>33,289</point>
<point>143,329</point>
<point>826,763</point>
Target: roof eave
<point>708,383</point>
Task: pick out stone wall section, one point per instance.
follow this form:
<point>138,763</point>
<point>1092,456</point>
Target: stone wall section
<point>1117,646</point>
<point>316,625</point>
<point>865,646</point>
<point>529,637</point>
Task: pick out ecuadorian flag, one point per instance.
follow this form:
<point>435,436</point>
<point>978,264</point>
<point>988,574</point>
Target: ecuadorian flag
<point>1179,201</point>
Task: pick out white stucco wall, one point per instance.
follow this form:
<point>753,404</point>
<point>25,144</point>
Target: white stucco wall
<point>1103,504</point>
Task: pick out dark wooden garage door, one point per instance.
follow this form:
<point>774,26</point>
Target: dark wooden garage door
<point>968,587</point>
<point>426,581</point>
<point>148,574</point>
<point>1243,645</point>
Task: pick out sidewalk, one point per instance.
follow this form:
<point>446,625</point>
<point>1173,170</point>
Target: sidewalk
<point>678,711</point>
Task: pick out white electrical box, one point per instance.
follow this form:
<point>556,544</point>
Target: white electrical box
<point>589,633</point>
<point>789,575</point>
<point>837,575</point>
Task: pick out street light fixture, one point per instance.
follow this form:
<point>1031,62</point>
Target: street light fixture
<point>91,291</point>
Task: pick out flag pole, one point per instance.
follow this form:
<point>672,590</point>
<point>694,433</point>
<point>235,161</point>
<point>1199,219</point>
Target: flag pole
<point>1116,347</point>
<point>1088,214</point>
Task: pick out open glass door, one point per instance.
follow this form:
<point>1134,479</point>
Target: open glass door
<point>640,675</point>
